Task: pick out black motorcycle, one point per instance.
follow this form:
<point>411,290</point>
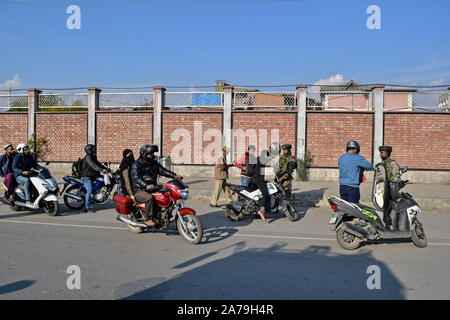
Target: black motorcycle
<point>396,217</point>
<point>250,201</point>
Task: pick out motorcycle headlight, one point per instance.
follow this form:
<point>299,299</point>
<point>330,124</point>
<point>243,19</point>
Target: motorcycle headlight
<point>184,194</point>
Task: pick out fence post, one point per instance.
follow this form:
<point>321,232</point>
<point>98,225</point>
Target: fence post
<point>378,134</point>
<point>159,102</point>
<point>33,107</point>
<point>93,106</point>
<point>448,99</point>
<point>300,148</point>
<point>227,125</point>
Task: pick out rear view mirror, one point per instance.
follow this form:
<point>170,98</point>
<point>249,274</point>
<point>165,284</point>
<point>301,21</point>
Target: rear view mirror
<point>47,163</point>
<point>404,169</point>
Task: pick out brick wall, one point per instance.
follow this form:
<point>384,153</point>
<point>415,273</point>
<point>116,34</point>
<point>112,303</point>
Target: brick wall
<point>192,137</point>
<point>327,134</point>
<point>419,140</point>
<point>117,131</point>
<point>66,135</point>
<point>261,128</point>
<point>13,128</point>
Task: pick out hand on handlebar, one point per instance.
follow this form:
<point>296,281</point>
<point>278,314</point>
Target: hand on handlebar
<point>150,187</point>
<point>179,177</point>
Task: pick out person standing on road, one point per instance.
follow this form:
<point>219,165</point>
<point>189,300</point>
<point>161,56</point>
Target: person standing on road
<point>6,171</point>
<point>286,166</point>
<point>351,164</point>
<point>90,170</point>
<point>221,176</point>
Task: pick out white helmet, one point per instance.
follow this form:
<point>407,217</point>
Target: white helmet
<point>22,146</point>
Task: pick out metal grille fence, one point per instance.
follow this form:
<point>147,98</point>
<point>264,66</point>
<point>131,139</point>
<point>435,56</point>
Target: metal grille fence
<point>64,100</point>
<point>266,100</point>
<point>17,102</point>
<point>430,100</point>
<point>183,100</point>
<point>339,100</point>
<point>136,100</point>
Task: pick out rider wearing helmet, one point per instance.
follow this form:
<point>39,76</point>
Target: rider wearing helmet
<point>351,164</point>
<point>144,174</point>
<point>90,170</point>
<point>22,164</point>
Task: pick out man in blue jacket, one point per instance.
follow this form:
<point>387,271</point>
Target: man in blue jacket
<point>351,166</point>
<point>22,164</point>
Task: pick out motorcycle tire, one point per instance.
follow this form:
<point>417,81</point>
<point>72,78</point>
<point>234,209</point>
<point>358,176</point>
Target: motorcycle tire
<point>346,240</point>
<point>51,208</point>
<point>73,203</point>
<point>194,232</point>
<point>290,213</point>
<point>418,236</point>
<point>232,214</point>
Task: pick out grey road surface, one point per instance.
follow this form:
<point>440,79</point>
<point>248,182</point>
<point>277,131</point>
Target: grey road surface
<point>245,260</point>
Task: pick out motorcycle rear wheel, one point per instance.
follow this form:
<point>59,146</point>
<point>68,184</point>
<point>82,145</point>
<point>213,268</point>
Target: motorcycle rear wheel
<point>194,229</point>
<point>290,213</point>
<point>347,240</point>
<point>232,214</point>
<point>418,236</point>
<point>73,203</point>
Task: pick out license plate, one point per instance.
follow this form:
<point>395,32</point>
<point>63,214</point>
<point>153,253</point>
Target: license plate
<point>333,220</point>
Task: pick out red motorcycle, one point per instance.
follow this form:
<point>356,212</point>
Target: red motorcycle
<point>169,207</point>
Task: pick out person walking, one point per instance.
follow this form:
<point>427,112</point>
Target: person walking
<point>221,176</point>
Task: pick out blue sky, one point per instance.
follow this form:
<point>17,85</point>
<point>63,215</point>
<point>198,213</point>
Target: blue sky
<point>245,43</point>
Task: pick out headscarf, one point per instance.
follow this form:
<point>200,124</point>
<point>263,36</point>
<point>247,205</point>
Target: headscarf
<point>127,161</point>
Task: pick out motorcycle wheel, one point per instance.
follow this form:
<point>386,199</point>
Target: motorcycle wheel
<point>51,208</point>
<point>418,236</point>
<point>290,213</point>
<point>232,214</point>
<point>74,203</point>
<point>194,229</point>
<point>347,240</point>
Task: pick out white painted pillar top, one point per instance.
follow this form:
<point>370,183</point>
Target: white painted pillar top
<point>93,105</point>
<point>227,140</point>
<point>378,102</point>
<point>33,107</point>
<point>159,102</point>
<point>300,148</point>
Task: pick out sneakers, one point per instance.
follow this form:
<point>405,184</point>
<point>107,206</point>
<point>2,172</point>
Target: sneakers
<point>261,215</point>
<point>29,203</point>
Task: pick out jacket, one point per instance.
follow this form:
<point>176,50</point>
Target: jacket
<point>22,163</point>
<point>255,169</point>
<point>143,174</point>
<point>221,169</point>
<point>350,166</point>
<point>241,164</point>
<point>286,166</point>
<point>5,162</point>
<point>91,167</point>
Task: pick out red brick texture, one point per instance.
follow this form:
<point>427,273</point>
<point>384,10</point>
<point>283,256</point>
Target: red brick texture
<point>13,128</point>
<point>264,127</point>
<point>420,141</point>
<point>327,135</point>
<point>66,135</point>
<point>117,131</point>
<point>191,137</point>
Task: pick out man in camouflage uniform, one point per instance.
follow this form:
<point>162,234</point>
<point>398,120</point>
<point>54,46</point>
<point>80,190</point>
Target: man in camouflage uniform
<point>393,174</point>
<point>285,169</point>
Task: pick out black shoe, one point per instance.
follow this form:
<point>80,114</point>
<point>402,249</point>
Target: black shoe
<point>213,206</point>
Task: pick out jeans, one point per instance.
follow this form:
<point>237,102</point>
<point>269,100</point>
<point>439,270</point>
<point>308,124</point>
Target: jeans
<point>245,181</point>
<point>26,185</point>
<point>350,194</point>
<point>88,185</point>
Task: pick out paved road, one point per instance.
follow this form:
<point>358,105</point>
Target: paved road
<point>245,260</point>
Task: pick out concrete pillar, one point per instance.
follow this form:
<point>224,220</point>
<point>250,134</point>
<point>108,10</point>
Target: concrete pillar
<point>448,99</point>
<point>33,107</point>
<point>378,134</point>
<point>300,148</point>
<point>227,125</point>
<point>159,102</point>
<point>93,106</point>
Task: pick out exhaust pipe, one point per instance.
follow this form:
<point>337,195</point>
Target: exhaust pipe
<point>131,223</point>
<point>70,195</point>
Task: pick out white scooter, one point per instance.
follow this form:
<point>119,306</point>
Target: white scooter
<point>43,189</point>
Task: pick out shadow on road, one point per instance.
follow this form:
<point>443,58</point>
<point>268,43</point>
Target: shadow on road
<point>272,273</point>
<point>308,198</point>
<point>16,286</point>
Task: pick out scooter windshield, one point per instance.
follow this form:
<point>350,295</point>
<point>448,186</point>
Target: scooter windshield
<point>45,174</point>
<point>380,190</point>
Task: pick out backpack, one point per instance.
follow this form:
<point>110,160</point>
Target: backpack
<point>76,168</point>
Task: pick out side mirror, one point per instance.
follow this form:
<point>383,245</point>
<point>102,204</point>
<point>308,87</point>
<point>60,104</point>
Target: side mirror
<point>404,169</point>
<point>47,163</point>
<point>105,163</point>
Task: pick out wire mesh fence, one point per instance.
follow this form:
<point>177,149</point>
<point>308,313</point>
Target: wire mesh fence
<point>430,100</point>
<point>65,101</point>
<point>339,100</point>
<point>16,102</point>
<point>135,100</point>
<point>248,100</point>
<point>190,100</point>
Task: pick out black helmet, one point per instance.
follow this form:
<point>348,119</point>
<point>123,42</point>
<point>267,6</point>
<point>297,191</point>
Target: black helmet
<point>147,149</point>
<point>386,148</point>
<point>275,148</point>
<point>89,149</point>
<point>287,146</point>
<point>352,144</point>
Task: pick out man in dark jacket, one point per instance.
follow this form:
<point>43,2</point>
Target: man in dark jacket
<point>255,170</point>
<point>285,169</point>
<point>144,174</point>
<point>6,171</point>
<point>90,170</point>
<point>22,164</point>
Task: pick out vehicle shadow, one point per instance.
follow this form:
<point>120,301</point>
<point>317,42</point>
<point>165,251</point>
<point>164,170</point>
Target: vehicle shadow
<point>272,273</point>
<point>308,198</point>
<point>217,227</point>
<point>16,286</point>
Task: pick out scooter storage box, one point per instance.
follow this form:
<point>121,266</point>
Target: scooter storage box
<point>123,204</point>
